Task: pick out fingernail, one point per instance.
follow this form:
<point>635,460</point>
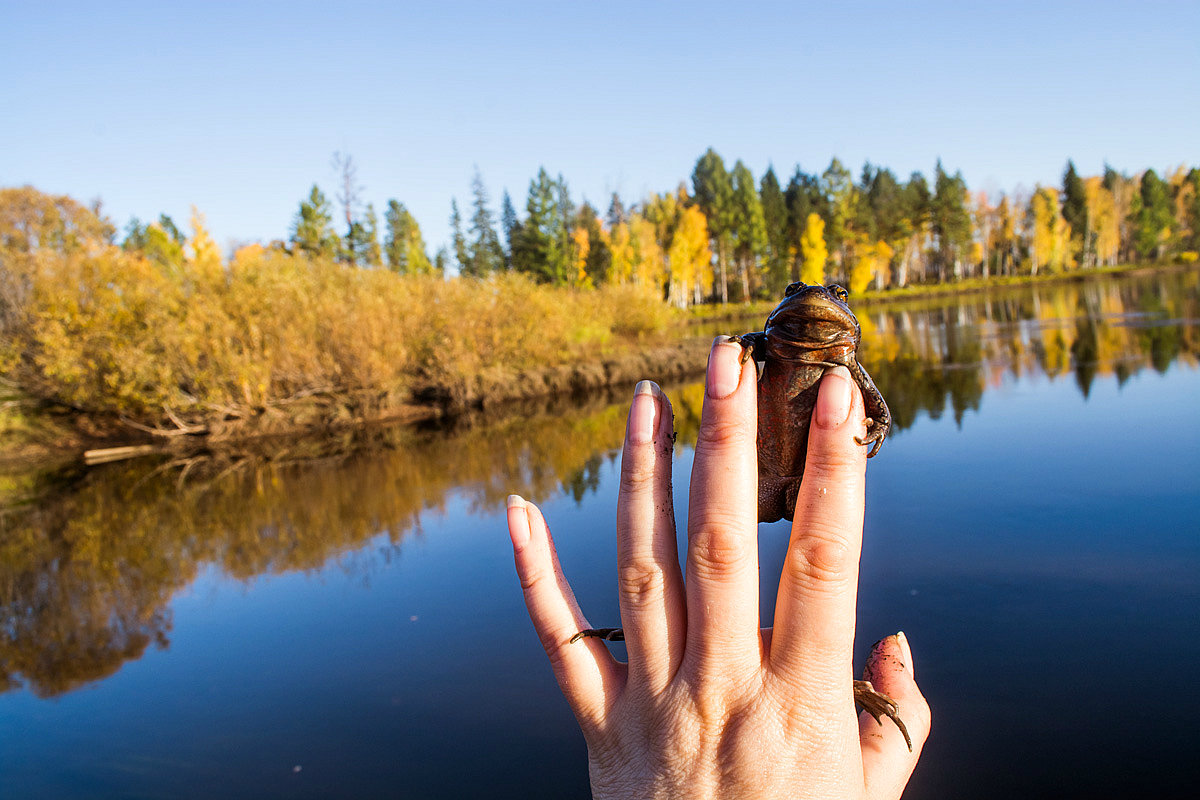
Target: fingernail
<point>518,524</point>
<point>643,412</point>
<point>904,648</point>
<point>724,367</point>
<point>833,398</point>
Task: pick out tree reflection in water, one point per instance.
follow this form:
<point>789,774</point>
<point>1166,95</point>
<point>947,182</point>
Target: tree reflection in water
<point>88,567</point>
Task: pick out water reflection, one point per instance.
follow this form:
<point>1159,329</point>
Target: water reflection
<point>90,560</point>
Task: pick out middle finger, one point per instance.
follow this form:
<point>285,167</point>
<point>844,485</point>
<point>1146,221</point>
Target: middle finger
<point>722,566</point>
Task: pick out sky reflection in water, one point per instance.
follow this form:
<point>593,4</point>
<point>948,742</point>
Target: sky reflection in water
<point>359,619</point>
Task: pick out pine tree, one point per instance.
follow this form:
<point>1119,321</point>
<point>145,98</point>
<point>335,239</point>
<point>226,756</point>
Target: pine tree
<point>403,244</point>
<point>616,212</point>
<point>775,216</point>
<point>598,261</point>
<point>950,221</point>
<point>1152,230</point>
<point>1074,211</point>
<point>713,191</point>
<point>312,229</point>
<point>462,255</point>
<point>484,254</point>
<point>361,245</point>
<point>749,227</point>
<point>509,224</point>
<point>538,249</point>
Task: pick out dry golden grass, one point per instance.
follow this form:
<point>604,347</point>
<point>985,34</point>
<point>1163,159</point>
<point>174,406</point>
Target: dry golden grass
<point>112,333</point>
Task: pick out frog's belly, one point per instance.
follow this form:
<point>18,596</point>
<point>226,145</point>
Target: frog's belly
<point>786,398</point>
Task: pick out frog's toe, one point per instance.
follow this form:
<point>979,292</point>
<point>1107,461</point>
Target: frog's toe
<point>875,436</point>
<point>879,705</point>
<point>607,634</point>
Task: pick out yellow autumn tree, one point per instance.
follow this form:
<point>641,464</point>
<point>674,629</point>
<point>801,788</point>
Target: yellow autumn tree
<point>812,247</point>
<point>648,262</point>
<point>580,247</point>
<point>1051,238</point>
<point>870,261</point>
<point>689,258</point>
<point>204,258</point>
<point>1102,219</point>
<point>620,245</point>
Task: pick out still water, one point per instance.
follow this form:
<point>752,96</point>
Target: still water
<point>297,621</point>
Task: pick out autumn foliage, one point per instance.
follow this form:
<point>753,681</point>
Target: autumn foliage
<point>177,343</point>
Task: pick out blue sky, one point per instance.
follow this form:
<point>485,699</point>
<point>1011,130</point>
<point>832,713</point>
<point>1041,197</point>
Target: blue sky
<point>238,107</point>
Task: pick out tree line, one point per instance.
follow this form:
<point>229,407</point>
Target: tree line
<point>729,236</point>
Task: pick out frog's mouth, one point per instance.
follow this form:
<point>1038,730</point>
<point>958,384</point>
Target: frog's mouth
<point>812,329</point>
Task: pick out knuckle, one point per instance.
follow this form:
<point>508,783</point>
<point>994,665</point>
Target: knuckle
<point>722,431</point>
<point>640,582</point>
<point>828,459</point>
<point>822,558</point>
<point>637,474</point>
<point>532,578</point>
<point>713,552</point>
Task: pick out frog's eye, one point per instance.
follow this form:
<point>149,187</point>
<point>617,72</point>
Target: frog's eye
<point>839,292</point>
<point>793,288</point>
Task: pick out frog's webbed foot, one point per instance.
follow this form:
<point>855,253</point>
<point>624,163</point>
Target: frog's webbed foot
<point>879,419</point>
<point>879,705</point>
<point>607,634</point>
<point>752,346</point>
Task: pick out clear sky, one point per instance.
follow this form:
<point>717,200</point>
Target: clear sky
<point>237,107</point>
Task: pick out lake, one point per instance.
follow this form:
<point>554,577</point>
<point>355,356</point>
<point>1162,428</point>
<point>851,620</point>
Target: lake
<point>342,617</point>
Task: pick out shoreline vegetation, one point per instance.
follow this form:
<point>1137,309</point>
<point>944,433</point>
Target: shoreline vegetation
<point>160,340</point>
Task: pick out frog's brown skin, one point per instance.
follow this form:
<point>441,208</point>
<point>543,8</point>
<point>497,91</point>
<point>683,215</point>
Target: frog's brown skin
<point>811,330</point>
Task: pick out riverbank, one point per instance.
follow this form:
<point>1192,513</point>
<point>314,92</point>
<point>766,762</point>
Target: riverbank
<point>33,433</point>
<point>924,291</point>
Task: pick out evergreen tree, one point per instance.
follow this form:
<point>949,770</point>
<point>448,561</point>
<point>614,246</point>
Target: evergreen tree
<point>312,229</point>
<point>537,250</point>
<point>403,244</point>
<point>1152,230</point>
<point>171,229</point>
<point>950,220</point>
<point>885,197</point>
<point>509,223</point>
<point>484,254</point>
<point>713,191</point>
<point>598,262</point>
<point>1074,211</point>
<point>802,198</point>
<point>749,227</point>
<point>441,261</point>
<point>775,217</point>
<point>917,204</point>
<point>616,212</point>
<point>362,240</point>
<point>837,188</point>
<point>462,255</point>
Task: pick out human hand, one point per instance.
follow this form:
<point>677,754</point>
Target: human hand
<point>709,705</point>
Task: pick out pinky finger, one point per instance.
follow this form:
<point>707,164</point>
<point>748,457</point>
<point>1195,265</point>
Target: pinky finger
<point>887,761</point>
<point>587,673</point>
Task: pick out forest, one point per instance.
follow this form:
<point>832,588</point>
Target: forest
<point>158,332</point>
<point>731,237</point>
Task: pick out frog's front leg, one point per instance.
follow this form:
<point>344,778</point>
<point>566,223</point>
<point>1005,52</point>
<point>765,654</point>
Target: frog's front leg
<point>879,419</point>
<point>754,345</point>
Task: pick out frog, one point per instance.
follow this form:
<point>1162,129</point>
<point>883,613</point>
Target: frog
<point>810,331</point>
